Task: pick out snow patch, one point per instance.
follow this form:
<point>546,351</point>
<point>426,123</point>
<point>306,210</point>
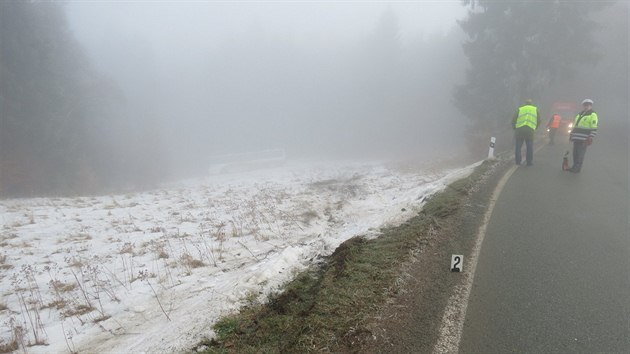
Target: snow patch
<point>151,272</point>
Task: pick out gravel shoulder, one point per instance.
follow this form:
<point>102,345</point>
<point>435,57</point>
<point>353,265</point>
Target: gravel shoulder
<point>411,319</point>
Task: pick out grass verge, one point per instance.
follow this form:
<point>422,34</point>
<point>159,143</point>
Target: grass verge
<point>325,308</point>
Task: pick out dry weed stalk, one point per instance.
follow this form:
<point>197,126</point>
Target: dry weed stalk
<point>30,301</point>
<point>88,304</point>
<point>17,340</point>
<point>67,336</point>
<point>58,287</point>
<point>144,276</point>
<point>209,251</point>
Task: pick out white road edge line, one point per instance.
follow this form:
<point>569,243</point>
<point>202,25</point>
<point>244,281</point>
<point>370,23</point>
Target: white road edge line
<point>455,312</point>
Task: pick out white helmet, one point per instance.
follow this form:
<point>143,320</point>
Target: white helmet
<point>587,101</point>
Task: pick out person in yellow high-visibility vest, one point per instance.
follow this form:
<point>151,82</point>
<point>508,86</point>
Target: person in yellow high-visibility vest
<point>525,122</point>
<point>582,134</point>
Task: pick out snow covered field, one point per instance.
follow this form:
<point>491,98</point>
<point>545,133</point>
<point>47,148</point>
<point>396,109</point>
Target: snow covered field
<point>150,272</point>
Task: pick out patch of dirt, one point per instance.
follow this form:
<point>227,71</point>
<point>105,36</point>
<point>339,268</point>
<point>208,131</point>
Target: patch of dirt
<point>343,253</point>
<point>345,188</point>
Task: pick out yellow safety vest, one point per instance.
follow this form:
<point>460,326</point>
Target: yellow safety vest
<point>587,122</point>
<point>584,127</point>
<point>527,116</point>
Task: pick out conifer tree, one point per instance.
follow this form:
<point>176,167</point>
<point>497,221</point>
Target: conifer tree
<point>516,49</point>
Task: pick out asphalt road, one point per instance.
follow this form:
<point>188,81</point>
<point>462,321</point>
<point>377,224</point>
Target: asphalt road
<point>553,273</point>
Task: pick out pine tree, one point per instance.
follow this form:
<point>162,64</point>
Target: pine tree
<point>516,49</point>
<point>42,73</point>
<point>49,98</point>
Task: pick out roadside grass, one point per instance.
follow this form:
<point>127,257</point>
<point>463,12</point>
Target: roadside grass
<point>326,308</point>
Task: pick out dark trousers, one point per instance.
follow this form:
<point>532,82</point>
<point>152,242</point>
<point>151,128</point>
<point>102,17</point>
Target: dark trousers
<point>552,134</point>
<point>524,134</point>
<point>579,150</point>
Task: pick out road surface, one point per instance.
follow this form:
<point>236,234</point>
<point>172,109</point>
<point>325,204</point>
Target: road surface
<point>553,273</point>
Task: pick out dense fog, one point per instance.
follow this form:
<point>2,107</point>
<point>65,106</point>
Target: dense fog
<point>338,80</point>
<point>101,96</point>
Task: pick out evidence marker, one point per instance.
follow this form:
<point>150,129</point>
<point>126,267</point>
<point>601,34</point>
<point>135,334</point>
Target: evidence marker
<point>457,263</point>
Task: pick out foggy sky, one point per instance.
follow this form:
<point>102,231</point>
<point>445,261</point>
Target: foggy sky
<point>310,77</point>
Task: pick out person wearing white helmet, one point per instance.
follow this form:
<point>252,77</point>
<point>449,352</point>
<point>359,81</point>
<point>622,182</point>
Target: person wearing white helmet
<point>584,130</point>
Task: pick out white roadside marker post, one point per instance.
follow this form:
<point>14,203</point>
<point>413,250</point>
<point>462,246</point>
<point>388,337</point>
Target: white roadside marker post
<point>493,140</point>
<point>457,263</point>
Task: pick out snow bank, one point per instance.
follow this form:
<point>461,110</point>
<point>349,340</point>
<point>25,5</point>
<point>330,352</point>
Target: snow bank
<point>151,272</point>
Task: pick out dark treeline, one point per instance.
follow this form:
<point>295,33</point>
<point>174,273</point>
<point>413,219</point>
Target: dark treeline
<point>63,128</point>
<point>132,117</point>
<point>548,51</point>
<point>67,128</point>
